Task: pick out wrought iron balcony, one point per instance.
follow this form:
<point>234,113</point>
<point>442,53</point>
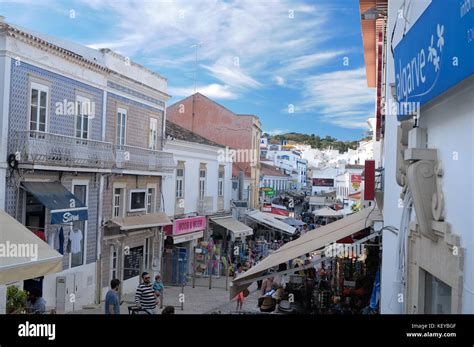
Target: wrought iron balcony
<point>136,158</point>
<point>41,148</point>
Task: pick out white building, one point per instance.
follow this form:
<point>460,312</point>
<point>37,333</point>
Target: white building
<point>323,180</point>
<point>431,164</point>
<point>291,161</point>
<point>201,185</point>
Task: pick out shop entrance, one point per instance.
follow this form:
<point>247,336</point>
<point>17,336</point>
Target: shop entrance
<point>175,264</point>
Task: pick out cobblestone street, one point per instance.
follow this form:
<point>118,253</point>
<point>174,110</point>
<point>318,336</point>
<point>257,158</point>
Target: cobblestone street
<point>197,300</point>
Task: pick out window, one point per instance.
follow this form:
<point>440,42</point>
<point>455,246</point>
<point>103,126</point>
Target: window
<point>202,183</point>
<point>82,119</point>
<point>38,107</point>
<point>220,181</point>
<point>121,126</point>
<point>79,227</point>
<point>113,262</point>
<point>137,200</point>
<point>180,182</point>
<point>153,136</point>
<point>437,295</point>
<point>150,200</point>
<point>118,202</point>
<point>147,255</point>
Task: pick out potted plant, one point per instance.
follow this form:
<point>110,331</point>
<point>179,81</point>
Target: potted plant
<point>16,300</point>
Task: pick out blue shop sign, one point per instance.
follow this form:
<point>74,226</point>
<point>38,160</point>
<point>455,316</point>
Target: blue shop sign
<point>69,216</point>
<point>437,52</point>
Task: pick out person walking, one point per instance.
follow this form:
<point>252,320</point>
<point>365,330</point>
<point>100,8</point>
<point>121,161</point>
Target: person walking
<point>145,297</point>
<point>112,305</point>
<point>240,297</point>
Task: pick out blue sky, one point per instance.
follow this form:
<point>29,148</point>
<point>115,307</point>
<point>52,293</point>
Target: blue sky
<point>262,57</point>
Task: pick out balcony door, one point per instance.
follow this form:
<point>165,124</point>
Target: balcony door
<point>82,119</point>
<point>121,127</point>
<point>38,107</point>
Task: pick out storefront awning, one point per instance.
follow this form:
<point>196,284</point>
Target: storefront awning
<point>151,220</point>
<point>23,255</point>
<point>307,243</point>
<point>237,228</point>
<point>65,207</point>
<point>271,222</point>
<point>327,212</point>
<point>187,237</point>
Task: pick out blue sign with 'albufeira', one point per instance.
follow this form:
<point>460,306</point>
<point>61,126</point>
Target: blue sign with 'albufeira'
<point>437,53</point>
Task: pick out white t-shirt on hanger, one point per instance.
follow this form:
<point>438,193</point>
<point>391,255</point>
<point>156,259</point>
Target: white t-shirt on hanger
<point>76,237</point>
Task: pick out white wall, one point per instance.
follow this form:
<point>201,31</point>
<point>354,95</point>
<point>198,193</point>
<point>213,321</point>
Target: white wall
<point>193,155</point>
<point>86,286</point>
<point>450,127</point>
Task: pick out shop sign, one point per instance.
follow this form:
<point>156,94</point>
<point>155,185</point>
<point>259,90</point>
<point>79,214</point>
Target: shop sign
<point>69,216</point>
<point>356,181</point>
<point>436,53</point>
<point>189,225</point>
<point>323,182</point>
<point>188,237</point>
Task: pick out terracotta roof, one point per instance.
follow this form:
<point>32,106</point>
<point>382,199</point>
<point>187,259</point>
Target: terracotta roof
<point>179,133</point>
<point>271,171</point>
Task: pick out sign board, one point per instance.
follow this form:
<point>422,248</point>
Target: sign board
<point>436,54</point>
<point>69,216</point>
<point>323,182</point>
<point>356,181</point>
<point>189,225</point>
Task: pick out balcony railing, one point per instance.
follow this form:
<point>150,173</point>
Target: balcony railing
<point>136,158</point>
<point>42,148</point>
<point>205,206</point>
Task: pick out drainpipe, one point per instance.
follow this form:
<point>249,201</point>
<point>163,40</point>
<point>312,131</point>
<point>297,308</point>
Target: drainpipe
<point>98,277</point>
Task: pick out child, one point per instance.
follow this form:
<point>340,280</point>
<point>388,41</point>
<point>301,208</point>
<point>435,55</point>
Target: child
<point>158,286</point>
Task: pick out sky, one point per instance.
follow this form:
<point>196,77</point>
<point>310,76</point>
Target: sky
<point>296,64</point>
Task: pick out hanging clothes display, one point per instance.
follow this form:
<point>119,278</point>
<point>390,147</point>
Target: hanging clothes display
<point>61,240</point>
<point>75,237</point>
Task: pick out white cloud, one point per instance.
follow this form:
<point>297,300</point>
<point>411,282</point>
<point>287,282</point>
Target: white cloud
<point>216,91</point>
<point>280,80</point>
<point>341,97</point>
<point>259,33</point>
<point>232,76</point>
<point>310,60</point>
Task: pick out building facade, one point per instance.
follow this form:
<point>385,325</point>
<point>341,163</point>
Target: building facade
<point>240,133</point>
<point>426,154</point>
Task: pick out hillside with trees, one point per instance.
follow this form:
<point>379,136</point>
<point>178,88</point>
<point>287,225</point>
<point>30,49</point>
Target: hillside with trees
<point>315,141</point>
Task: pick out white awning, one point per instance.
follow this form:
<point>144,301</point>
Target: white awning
<point>307,243</point>
<point>327,212</point>
<point>23,255</point>
<point>271,222</point>
<point>188,237</point>
<point>237,228</point>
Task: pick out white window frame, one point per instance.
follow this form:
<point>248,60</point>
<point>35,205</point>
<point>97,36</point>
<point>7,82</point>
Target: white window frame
<point>112,269</point>
<point>220,181</point>
<point>202,184</point>
<point>40,88</point>
<point>82,100</point>
<point>147,253</point>
<point>151,200</point>
<point>132,191</point>
<point>123,188</point>
<point>180,194</point>
<point>153,134</point>
<point>124,112</point>
<point>84,232</point>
